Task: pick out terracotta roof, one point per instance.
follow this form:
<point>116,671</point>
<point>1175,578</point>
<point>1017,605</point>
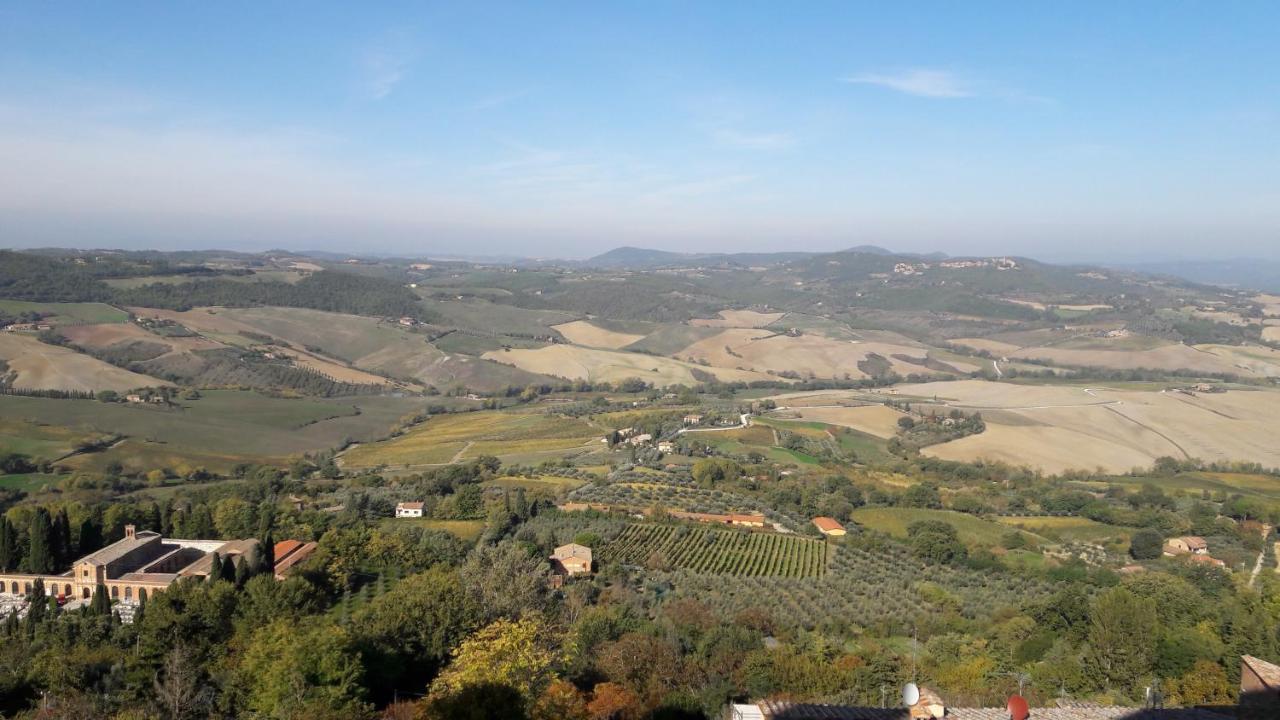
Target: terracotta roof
<point>1195,542</point>
<point>285,563</point>
<point>572,550</point>
<point>827,524</point>
<point>284,547</point>
<point>1268,673</point>
<point>410,505</point>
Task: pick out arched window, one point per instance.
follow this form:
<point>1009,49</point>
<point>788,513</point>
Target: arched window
<point>66,590</point>
<point>85,593</point>
<point>142,594</point>
<point>13,587</point>
<point>128,593</point>
<point>115,592</point>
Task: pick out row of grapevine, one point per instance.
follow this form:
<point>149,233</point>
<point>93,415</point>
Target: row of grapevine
<point>718,552</point>
<point>861,588</point>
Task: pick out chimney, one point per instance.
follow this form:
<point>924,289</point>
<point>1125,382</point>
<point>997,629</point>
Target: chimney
<point>129,532</point>
<point>929,706</point>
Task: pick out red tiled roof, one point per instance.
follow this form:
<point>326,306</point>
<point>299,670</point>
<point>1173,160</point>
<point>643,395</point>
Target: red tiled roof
<point>284,547</point>
<point>827,524</point>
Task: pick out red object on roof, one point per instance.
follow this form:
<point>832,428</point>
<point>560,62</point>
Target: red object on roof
<point>284,547</point>
<point>1017,707</point>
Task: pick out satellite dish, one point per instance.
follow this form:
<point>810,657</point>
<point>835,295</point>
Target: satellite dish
<point>1017,707</point>
<point>910,694</point>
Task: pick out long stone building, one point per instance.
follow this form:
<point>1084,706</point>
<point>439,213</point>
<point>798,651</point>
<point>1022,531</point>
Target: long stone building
<point>131,569</point>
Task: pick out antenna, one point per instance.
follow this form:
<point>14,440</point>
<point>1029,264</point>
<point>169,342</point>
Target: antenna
<point>910,694</point>
<point>1017,707</point>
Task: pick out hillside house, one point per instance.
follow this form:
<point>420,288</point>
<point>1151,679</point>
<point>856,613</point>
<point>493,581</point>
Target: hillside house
<point>407,321</point>
<point>1205,560</point>
<point>694,419</point>
<point>666,447</point>
<point>409,510</point>
<point>1186,545</point>
<point>572,559</point>
<point>641,439</point>
<point>134,398</point>
<point>829,526</point>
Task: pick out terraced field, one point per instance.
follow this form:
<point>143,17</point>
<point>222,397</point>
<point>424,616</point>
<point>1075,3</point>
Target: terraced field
<point>718,552</point>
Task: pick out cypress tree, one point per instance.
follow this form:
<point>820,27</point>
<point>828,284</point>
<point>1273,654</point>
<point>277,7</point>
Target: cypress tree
<point>101,603</point>
<point>267,555</point>
<point>243,572</point>
<point>229,569</point>
<point>8,545</point>
<point>90,534</point>
<point>36,606</point>
<point>154,521</point>
<point>41,559</point>
<point>61,539</point>
<point>215,569</point>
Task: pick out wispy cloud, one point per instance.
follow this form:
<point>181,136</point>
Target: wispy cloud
<point>921,82</point>
<point>386,63</point>
<point>699,187</point>
<point>753,140</point>
<point>497,100</point>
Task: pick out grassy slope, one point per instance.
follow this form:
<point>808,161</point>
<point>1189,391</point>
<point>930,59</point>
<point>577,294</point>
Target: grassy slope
<point>232,425</point>
<point>68,313</point>
<point>973,530</point>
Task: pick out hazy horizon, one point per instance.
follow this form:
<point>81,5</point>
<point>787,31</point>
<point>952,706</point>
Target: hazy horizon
<point>1089,133</point>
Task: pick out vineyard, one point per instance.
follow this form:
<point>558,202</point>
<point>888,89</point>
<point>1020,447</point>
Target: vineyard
<point>718,552</point>
<point>883,587</point>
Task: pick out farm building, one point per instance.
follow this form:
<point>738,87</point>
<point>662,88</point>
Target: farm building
<point>692,419</point>
<point>1186,545</point>
<point>666,446</point>
<point>641,439</point>
<point>133,568</point>
<point>1205,560</point>
<point>571,559</point>
<point>288,553</point>
<point>409,510</point>
<point>829,526</point>
<point>739,519</point>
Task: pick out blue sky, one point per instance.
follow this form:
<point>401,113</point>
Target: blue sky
<point>1058,130</point>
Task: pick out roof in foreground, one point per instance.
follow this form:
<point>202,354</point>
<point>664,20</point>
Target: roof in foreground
<point>1268,673</point>
<point>782,710</point>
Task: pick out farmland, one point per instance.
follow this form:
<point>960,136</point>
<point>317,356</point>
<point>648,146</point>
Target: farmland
<point>718,552</point>
<point>1059,427</point>
<point>895,521</point>
<point>67,313</point>
<point>39,366</point>
<point>581,332</point>
<point>445,438</point>
<point>1068,529</point>
<point>580,363</point>
<point>221,429</point>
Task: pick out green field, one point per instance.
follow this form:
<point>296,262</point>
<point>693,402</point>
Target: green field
<point>499,433</point>
<point>720,552</point>
<point>27,483</point>
<point>1076,529</point>
<point>68,313</point>
<point>973,530</point>
<point>38,441</point>
<point>1266,487</point>
<point>465,529</point>
<point>543,483</point>
<point>221,429</point>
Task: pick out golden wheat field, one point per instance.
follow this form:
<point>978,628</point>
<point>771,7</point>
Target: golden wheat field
<point>738,319</point>
<point>808,355</point>
<point>39,366</point>
<point>1056,428</point>
<point>581,332</point>
<point>581,363</point>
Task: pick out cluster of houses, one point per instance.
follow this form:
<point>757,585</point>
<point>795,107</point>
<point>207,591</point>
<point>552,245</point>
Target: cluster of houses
<point>28,327</point>
<point>1193,548</point>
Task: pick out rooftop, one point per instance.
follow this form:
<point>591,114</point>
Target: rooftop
<point>120,548</point>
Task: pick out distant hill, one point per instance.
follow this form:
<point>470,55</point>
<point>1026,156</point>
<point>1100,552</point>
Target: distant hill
<point>645,259</point>
<point>1237,273</point>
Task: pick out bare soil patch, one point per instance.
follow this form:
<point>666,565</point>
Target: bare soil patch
<point>581,332</point>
